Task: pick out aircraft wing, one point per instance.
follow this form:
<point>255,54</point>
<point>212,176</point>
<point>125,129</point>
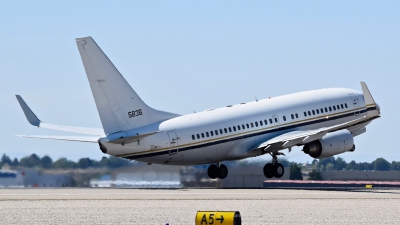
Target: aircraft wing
<point>33,119</point>
<point>93,139</point>
<point>292,138</point>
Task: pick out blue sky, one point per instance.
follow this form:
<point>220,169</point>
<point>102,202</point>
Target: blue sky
<point>181,56</point>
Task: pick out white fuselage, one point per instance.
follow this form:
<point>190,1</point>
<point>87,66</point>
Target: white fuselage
<point>197,138</point>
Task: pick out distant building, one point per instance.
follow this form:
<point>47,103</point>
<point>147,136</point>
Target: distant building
<point>32,178</point>
<point>361,175</point>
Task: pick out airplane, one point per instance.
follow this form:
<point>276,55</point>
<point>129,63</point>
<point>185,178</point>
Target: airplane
<point>323,121</point>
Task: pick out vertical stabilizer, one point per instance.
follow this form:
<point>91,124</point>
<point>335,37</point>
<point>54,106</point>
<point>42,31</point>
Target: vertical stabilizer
<point>119,107</point>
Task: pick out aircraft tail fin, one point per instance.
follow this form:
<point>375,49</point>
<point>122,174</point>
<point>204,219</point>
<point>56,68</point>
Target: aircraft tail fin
<point>118,105</point>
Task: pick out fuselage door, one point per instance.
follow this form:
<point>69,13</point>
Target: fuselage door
<point>173,142</point>
<point>355,103</point>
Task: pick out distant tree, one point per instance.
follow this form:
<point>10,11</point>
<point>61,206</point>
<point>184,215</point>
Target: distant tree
<point>64,163</point>
<point>15,162</point>
<point>381,165</point>
<point>315,161</point>
<point>84,163</point>
<point>115,162</point>
<point>30,161</point>
<point>330,167</point>
<point>314,175</point>
<point>103,162</point>
<point>340,164</point>
<point>295,172</point>
<point>395,165</point>
<point>284,162</point>
<point>46,162</point>
<point>365,166</point>
<point>352,165</point>
<point>325,161</point>
<point>5,160</point>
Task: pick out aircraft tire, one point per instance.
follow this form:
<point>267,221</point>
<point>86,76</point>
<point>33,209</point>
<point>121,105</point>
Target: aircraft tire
<point>278,170</point>
<point>213,171</point>
<point>222,171</point>
<point>268,170</point>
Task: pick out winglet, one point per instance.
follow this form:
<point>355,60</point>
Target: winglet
<point>369,100</point>
<point>30,116</point>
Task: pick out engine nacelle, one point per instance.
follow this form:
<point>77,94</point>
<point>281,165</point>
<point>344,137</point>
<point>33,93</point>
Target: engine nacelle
<point>331,144</point>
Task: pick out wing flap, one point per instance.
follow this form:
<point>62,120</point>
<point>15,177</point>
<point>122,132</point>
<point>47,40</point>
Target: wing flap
<point>64,138</point>
<point>293,138</point>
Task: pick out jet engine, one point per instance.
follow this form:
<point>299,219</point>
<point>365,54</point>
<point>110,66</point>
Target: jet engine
<point>331,144</point>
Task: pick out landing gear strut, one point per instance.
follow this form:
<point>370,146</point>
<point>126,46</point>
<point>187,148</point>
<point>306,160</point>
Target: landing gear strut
<point>274,169</point>
<point>217,171</point>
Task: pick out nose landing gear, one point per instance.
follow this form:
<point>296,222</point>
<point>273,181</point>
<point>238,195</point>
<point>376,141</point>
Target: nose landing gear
<point>215,171</point>
<point>274,169</point>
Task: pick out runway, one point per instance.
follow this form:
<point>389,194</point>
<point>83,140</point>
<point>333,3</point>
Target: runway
<point>138,206</point>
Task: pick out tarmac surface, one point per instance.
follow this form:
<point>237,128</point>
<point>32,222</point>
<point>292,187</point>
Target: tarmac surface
<point>158,206</point>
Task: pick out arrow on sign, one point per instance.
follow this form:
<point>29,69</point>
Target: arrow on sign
<point>222,219</point>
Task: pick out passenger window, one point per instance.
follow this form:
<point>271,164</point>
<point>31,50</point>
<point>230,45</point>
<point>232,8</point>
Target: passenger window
<point>265,122</point>
<point>270,121</point>
<point>309,113</point>
<point>338,107</point>
<point>341,105</point>
<point>216,132</point>
<point>292,116</point>
<point>252,125</point>
<point>334,108</point>
<point>243,126</point>
<point>220,131</point>
<point>193,137</point>
<point>330,109</point>
<point>261,123</point>
<point>202,135</point>
<point>207,134</point>
<point>226,131</point>
<point>256,123</point>
<point>198,136</point>
<point>345,105</point>
<point>313,112</point>
<point>238,127</point>
<point>247,125</point>
<point>322,110</point>
<point>317,111</point>
<point>276,120</point>
<point>234,128</point>
<point>297,116</point>
<point>212,133</point>
<point>284,118</point>
<point>305,114</point>
<point>326,110</point>
<point>230,130</point>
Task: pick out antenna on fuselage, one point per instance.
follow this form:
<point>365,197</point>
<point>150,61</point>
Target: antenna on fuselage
<point>256,98</point>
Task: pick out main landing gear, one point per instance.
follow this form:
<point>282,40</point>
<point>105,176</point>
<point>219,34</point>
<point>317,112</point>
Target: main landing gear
<point>274,169</point>
<point>217,171</point>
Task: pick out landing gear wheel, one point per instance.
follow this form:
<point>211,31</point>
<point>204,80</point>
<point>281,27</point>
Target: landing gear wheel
<point>278,170</point>
<point>213,171</point>
<point>268,170</point>
<point>223,172</point>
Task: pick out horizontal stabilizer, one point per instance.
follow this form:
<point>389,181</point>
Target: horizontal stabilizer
<point>64,138</point>
<point>34,120</point>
